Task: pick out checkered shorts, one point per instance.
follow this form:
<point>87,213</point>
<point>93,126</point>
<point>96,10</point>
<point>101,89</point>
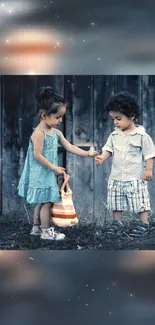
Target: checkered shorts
<point>131,195</point>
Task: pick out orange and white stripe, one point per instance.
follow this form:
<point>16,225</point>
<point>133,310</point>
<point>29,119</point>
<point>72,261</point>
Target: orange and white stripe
<point>63,212</point>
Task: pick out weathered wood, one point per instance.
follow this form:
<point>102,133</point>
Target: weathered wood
<point>11,145</point>
<point>79,131</point>
<point>18,111</point>
<point>103,88</point>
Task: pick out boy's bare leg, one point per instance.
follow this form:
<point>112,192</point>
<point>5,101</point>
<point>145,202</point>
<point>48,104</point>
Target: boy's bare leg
<point>116,225</point>
<point>117,215</point>
<point>144,216</point>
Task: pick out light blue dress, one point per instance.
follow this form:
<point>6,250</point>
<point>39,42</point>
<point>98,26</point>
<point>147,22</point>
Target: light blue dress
<point>38,184</point>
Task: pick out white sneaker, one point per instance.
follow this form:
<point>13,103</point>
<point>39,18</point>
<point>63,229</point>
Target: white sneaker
<point>36,231</point>
<point>51,234</point>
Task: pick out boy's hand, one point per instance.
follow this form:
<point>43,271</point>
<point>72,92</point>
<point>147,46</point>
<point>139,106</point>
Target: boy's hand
<point>99,160</point>
<point>147,175</point>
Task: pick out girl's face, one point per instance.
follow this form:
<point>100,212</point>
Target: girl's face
<point>53,120</point>
<point>121,121</point>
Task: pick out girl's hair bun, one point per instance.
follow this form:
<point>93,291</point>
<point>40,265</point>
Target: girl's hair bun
<point>44,93</point>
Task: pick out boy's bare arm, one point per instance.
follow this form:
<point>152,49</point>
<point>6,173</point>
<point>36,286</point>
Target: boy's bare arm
<point>104,156</point>
<point>148,170</point>
<point>149,164</point>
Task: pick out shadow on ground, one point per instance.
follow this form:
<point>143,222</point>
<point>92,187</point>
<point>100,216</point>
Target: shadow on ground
<point>15,236</point>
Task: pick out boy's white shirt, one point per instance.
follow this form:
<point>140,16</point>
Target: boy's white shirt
<point>129,153</point>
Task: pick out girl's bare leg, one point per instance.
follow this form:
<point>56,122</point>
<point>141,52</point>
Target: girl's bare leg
<point>45,216</point>
<point>36,214</point>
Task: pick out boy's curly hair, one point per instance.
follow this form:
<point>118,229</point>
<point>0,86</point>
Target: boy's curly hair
<point>125,103</point>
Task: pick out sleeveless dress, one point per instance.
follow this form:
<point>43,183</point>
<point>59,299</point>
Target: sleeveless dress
<point>38,184</point>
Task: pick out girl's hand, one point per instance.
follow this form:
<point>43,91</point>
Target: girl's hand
<point>92,152</point>
<point>59,170</point>
<point>99,160</point>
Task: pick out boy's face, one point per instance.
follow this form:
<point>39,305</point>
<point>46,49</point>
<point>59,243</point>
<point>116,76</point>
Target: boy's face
<point>121,121</point>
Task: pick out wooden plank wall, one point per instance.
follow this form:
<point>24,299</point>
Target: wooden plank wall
<point>86,123</point>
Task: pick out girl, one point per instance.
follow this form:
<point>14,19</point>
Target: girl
<point>38,182</point>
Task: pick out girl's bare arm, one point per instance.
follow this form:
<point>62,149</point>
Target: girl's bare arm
<point>71,148</point>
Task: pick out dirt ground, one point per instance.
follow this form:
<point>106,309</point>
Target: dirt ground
<point>16,236</point>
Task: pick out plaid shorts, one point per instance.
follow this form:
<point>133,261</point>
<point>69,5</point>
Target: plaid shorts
<point>131,195</point>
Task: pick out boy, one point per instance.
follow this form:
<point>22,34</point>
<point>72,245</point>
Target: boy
<point>131,148</point>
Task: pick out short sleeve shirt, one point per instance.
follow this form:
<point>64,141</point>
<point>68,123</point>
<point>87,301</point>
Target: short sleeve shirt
<point>129,153</point>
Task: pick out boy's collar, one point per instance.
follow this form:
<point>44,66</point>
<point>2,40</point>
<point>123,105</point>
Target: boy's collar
<point>139,130</point>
